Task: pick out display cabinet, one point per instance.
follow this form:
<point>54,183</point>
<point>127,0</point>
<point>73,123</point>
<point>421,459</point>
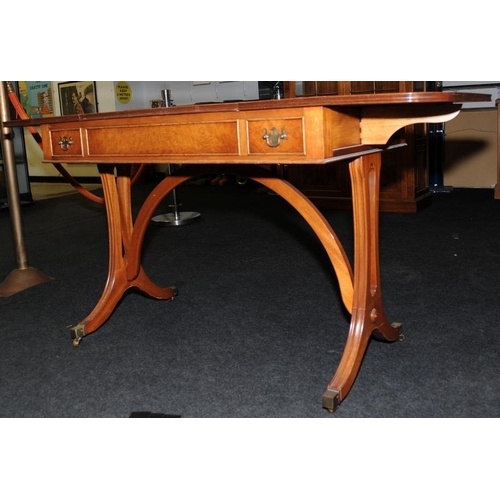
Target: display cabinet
<point>404,184</point>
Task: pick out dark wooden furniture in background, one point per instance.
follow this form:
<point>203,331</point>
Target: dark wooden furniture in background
<point>405,177</point>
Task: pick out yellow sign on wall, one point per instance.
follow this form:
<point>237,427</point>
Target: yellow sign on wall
<point>123,92</point>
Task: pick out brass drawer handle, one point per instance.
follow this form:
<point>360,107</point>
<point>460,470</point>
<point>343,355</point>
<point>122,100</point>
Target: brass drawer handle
<point>65,142</point>
<point>273,139</point>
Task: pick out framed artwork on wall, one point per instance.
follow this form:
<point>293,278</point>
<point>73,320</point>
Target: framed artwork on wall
<point>36,98</point>
<point>77,98</point>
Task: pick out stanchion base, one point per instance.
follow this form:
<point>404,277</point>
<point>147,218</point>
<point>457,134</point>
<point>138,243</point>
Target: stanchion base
<point>21,279</point>
<point>178,219</point>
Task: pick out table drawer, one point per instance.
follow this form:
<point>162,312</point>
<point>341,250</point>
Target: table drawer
<point>278,136</point>
<point>66,143</point>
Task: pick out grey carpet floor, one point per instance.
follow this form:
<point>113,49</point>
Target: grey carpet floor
<point>258,328</point>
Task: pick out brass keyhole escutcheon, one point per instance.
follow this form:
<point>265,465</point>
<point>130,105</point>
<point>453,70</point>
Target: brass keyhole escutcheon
<point>65,142</point>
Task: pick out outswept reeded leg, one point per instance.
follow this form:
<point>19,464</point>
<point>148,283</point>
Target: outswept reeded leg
<point>118,209</point>
<point>360,290</point>
<point>368,315</point>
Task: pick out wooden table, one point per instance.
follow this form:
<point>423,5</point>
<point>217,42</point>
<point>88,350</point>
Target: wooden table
<point>243,138</point>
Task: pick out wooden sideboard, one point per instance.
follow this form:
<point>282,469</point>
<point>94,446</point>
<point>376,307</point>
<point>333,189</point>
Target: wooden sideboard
<point>405,177</point>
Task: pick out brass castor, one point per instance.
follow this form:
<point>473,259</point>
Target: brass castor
<point>331,400</point>
<point>77,334</point>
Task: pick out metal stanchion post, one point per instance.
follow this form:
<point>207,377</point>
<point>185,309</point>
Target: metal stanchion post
<point>174,218</point>
<point>24,276</point>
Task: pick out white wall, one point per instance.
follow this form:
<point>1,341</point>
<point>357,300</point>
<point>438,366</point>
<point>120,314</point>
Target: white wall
<point>471,139</point>
<point>470,149</point>
<point>490,88</point>
<point>467,84</point>
<point>183,93</point>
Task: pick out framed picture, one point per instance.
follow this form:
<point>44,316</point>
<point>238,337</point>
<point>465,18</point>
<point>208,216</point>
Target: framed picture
<point>36,98</point>
<point>77,98</point>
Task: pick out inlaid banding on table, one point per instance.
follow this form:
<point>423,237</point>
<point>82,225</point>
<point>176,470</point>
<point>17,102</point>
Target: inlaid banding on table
<point>188,139</point>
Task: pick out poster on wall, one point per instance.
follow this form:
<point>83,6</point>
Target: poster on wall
<point>36,98</point>
<point>77,98</point>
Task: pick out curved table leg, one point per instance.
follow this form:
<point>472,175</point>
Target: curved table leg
<point>323,231</point>
<point>299,201</point>
<point>368,315</point>
<point>118,209</point>
<point>361,291</point>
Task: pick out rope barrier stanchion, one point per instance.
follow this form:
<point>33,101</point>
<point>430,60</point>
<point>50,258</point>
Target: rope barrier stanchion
<point>23,276</point>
